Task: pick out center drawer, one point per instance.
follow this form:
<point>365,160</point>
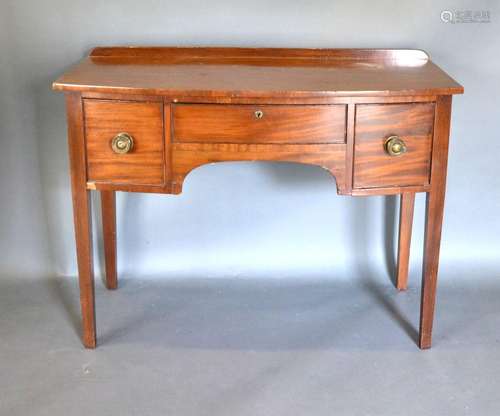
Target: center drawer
<point>219,123</point>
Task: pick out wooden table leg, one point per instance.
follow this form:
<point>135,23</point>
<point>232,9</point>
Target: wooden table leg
<point>83,234</point>
<point>405,225</point>
<point>434,218</point>
<point>108,210</point>
<point>82,217</point>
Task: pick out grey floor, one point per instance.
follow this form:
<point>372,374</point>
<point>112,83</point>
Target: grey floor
<point>248,347</point>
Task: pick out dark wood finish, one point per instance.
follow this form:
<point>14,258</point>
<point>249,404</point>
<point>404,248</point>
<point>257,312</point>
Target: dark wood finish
<point>82,217</point>
<point>299,124</point>
<point>187,156</point>
<point>349,156</point>
<point>108,211</point>
<point>373,166</point>
<point>145,163</point>
<point>324,100</point>
<point>392,190</point>
<point>434,218</point>
<point>230,55</point>
<point>404,242</point>
<point>186,107</point>
<point>247,72</point>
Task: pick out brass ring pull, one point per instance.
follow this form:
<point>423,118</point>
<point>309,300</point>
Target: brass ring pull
<point>259,114</point>
<point>395,146</point>
<point>122,143</point>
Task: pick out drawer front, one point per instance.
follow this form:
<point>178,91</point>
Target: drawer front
<point>208,123</point>
<point>375,123</point>
<point>143,121</point>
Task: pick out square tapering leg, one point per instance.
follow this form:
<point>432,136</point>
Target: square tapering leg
<point>405,226</point>
<point>82,217</point>
<point>108,211</point>
<point>83,234</point>
<point>434,218</point>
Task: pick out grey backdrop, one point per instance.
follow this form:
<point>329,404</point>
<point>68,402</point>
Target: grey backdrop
<point>241,219</point>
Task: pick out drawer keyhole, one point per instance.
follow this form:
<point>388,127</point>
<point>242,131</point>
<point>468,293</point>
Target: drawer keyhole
<point>259,114</point>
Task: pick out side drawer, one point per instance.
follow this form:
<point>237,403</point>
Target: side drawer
<point>143,121</point>
<point>412,123</point>
<point>219,123</point>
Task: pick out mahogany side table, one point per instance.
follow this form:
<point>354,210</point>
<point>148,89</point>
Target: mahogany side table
<point>141,118</point>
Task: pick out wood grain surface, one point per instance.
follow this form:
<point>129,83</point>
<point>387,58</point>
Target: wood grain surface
<point>108,212</point>
<point>373,166</point>
<point>82,217</point>
<point>187,107</point>
<point>205,123</point>
<point>251,72</point>
<point>406,209</point>
<point>187,156</point>
<point>434,219</point>
<point>144,121</point>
